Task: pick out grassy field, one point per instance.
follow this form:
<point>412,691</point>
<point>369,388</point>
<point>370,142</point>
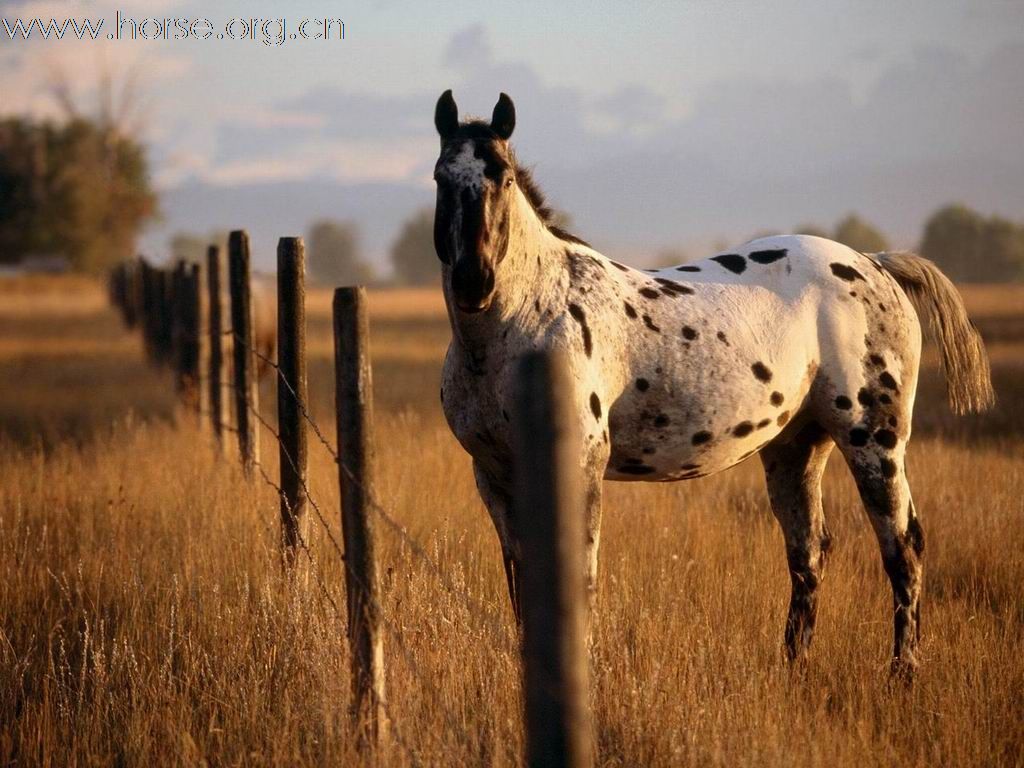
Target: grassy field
<point>143,619</point>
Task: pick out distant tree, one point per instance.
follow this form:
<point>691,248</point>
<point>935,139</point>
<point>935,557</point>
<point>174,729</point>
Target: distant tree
<point>80,190</point>
<point>334,257</point>
<point>859,235</point>
<point>812,229</point>
<point>971,248</point>
<point>412,254</point>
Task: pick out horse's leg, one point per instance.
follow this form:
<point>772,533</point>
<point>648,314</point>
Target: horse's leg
<point>794,464</point>
<point>498,501</point>
<point>881,479</point>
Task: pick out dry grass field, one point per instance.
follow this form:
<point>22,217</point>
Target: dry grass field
<point>144,621</point>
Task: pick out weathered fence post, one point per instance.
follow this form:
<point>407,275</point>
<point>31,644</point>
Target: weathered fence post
<point>244,350</point>
<point>549,525</point>
<point>187,310</point>
<point>356,468</point>
<point>291,391</point>
<point>215,333</point>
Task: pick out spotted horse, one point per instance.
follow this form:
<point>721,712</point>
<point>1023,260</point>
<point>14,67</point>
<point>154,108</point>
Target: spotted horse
<point>785,346</point>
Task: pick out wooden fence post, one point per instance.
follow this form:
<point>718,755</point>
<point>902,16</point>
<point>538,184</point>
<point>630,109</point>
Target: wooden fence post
<point>215,334</point>
<point>291,391</point>
<point>356,470</point>
<point>187,342</point>
<point>550,528</point>
<point>244,351</point>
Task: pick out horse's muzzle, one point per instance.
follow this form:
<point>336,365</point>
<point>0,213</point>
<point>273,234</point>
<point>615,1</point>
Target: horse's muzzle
<point>472,285</point>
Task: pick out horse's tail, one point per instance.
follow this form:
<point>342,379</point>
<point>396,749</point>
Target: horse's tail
<point>937,301</point>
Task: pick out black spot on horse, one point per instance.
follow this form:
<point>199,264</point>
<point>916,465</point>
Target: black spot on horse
<point>844,403</point>
<point>886,438</point>
<point>620,266</point>
<point>865,398</point>
<point>877,360</point>
<point>688,268</point>
<point>689,467</point>
<point>580,317</point>
<point>763,423</point>
<point>699,438</point>
<point>888,467</point>
<point>648,450</point>
<point>636,469</point>
<point>783,419</point>
<point>859,437</point>
<point>888,381</point>
<point>442,394</point>
<point>742,429</point>
<point>650,324</point>
<point>536,305</point>
<point>643,384</point>
<point>767,256</point>
<point>892,421</point>
<point>776,398</point>
<point>845,272</point>
<point>630,311</point>
<point>722,338</point>
<point>650,293</point>
<point>661,420</point>
<point>732,261</point>
<point>689,333</point>
<point>761,372</point>
<point>595,405</point>
<point>885,399</point>
<point>672,288</point>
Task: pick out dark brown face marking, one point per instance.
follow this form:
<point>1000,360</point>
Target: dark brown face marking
<point>888,381</point>
<point>865,398</point>
<point>886,438</point>
<point>731,261</point>
<point>595,405</point>
<point>661,420</point>
<point>742,429</point>
<point>630,311</point>
<point>580,317</point>
<point>687,268</point>
<point>845,272</point>
<point>699,438</point>
<point>649,293</point>
<point>767,256</point>
<point>636,469</point>
<point>776,398</point>
<point>761,372</point>
<point>650,324</point>
<point>689,333</point>
<point>783,418</point>
<point>722,338</point>
<point>888,467</point>
<point>844,403</point>
<point>859,437</point>
<point>643,384</point>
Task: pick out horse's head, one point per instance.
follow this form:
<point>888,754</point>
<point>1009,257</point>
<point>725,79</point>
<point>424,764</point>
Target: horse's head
<point>475,177</point>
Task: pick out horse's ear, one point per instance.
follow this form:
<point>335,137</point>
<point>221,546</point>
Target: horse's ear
<point>503,120</point>
<point>446,115</point>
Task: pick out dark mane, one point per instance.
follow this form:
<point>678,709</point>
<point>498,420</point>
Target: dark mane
<point>480,129</point>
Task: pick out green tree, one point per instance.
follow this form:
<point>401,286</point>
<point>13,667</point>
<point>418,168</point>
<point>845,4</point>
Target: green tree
<point>970,248</point>
<point>859,235</point>
<point>80,190</point>
<point>412,254</point>
<point>334,257</point>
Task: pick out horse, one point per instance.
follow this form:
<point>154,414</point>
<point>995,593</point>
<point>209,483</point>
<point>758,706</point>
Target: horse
<point>786,347</point>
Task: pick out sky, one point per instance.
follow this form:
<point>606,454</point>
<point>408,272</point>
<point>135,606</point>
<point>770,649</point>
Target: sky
<point>663,125</point>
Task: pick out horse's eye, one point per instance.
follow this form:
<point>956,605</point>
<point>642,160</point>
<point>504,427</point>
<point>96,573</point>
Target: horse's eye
<point>508,182</point>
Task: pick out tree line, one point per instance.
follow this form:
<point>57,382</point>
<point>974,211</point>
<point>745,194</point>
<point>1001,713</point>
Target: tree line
<point>81,190</point>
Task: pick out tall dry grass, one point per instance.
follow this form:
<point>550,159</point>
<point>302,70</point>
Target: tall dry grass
<point>144,619</point>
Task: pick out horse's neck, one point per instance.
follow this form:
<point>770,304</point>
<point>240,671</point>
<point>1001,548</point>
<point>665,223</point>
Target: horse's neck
<point>533,270</point>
